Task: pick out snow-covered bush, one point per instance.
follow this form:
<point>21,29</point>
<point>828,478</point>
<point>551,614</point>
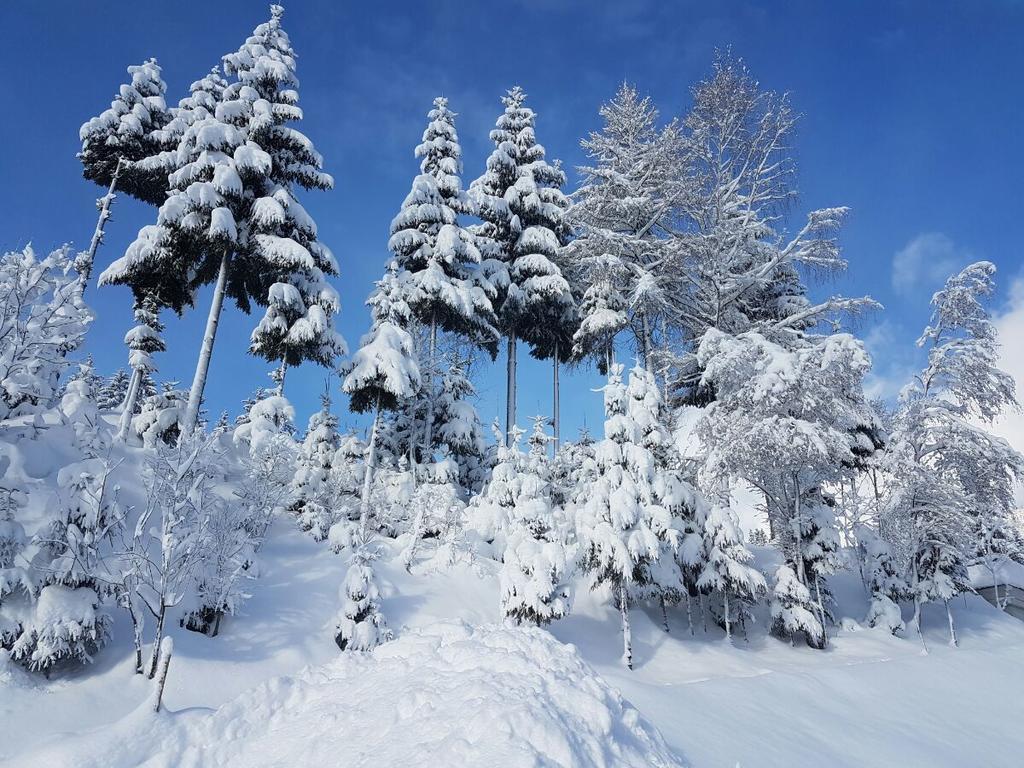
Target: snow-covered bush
<point>161,417</point>
<point>793,611</point>
<point>884,583</point>
<point>727,571</point>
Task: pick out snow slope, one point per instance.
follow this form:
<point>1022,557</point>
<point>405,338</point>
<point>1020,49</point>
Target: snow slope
<point>870,699</point>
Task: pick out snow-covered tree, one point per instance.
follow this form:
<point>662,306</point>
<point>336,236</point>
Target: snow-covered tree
<point>946,472</point>
<point>793,611</point>
<point>783,420</point>
<point>170,531</point>
<point>623,216</point>
<point>43,318</point>
<point>522,208</point>
<point>883,580</point>
<point>246,232</point>
<point>361,625</point>
<point>623,526</point>
<point>384,370</point>
<point>114,391</point>
<point>458,430</point>
<point>314,494</point>
<point>14,578</point>
<point>115,141</point>
<point>489,511</point>
<point>78,409</point>
<point>537,563</point>
<point>727,571</point>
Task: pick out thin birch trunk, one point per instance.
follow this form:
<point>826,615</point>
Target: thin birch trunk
<point>646,331</point>
<point>195,396</point>
<point>952,629</point>
<point>155,657</point>
<point>725,607</point>
<point>166,649</point>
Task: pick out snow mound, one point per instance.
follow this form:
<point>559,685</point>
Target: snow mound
<point>449,694</point>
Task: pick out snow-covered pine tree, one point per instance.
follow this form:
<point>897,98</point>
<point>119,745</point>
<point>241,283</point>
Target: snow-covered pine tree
<point>537,562</point>
<point>623,527</point>
<point>946,471</point>
<point>314,494</point>
<point>622,213</point>
<point>46,319</point>
<point>361,625</point>
<point>883,581</point>
<point>143,340</point>
<point>114,143</point>
<point>445,291</point>
<point>727,571</point>
<point>78,409</point>
<point>522,208</point>
<point>14,578</point>
<point>458,429</point>
<point>384,370</point>
<point>160,416</point>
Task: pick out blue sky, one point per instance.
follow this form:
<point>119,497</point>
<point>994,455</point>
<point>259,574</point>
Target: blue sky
<point>912,113</point>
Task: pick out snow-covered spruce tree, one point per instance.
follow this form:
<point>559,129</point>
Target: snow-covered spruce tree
<point>435,507</point>
<point>114,143</point>
<point>361,625</point>
<point>946,472</point>
<point>883,581</point>
<point>623,527</point>
<point>384,369</point>
<point>522,208</point>
<point>245,232</point>
<point>444,291</point>
<point>537,564</point>
<point>622,214</point>
<point>15,580</point>
<point>314,495</point>
<point>782,420</point>
<point>44,319</point>
<point>79,410</point>
<point>143,340</point>
<point>727,571</point>
<point>457,427</point>
<point>114,391</point>
<point>793,611</point>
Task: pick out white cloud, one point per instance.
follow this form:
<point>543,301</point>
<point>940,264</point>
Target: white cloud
<point>926,261</point>
<point>1010,324</point>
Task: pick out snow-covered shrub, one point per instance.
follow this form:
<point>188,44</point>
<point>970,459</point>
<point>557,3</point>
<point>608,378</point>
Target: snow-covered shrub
<point>161,416</point>
<point>884,583</point>
<point>727,571</point>
<point>360,625</point>
<point>315,504</point>
<point>63,624</point>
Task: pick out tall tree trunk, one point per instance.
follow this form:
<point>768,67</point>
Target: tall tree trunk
<point>85,261</point>
<point>555,409</point>
<point>917,606</point>
<point>689,612</point>
<point>129,404</point>
<point>371,455</point>
<point>664,613</point>
<point>627,638</point>
<point>510,390</point>
<point>195,396</point>
<point>279,377</point>
<point>821,611</point>
<point>137,624</point>
<point>428,428</point>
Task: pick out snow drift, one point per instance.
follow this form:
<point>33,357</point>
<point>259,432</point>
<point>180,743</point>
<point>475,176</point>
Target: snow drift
<point>447,694</point>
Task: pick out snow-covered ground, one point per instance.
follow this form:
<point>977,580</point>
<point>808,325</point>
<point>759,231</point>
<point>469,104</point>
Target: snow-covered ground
<point>457,687</point>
